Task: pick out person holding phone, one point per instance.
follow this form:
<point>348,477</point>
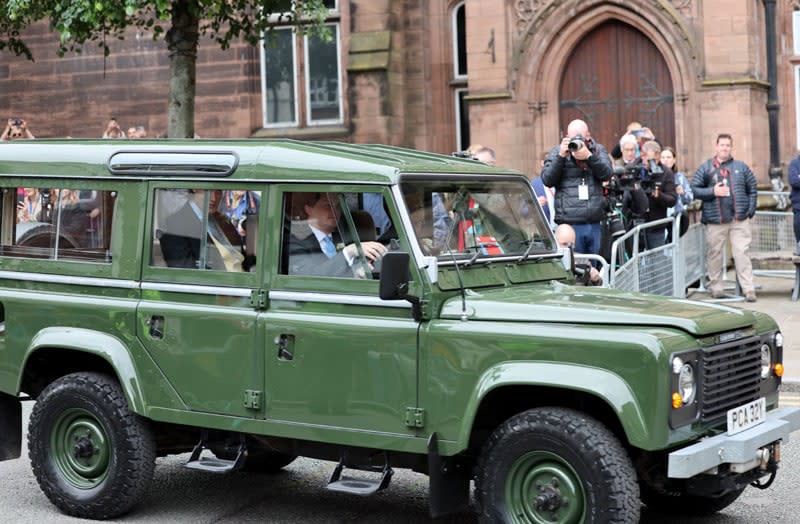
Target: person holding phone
<point>16,129</point>
<point>113,129</point>
<point>727,188</point>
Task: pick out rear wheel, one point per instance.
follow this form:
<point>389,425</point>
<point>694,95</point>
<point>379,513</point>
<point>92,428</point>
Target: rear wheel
<point>92,456</point>
<point>555,465</point>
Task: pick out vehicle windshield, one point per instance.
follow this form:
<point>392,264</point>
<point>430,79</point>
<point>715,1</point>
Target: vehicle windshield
<point>476,218</point>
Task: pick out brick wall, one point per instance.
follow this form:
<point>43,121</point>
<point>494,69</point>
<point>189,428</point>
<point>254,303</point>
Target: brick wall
<point>77,94</point>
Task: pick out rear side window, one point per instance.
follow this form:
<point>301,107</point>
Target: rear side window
<point>57,223</point>
<point>205,229</point>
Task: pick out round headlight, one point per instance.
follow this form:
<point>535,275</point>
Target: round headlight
<point>766,360</point>
<point>778,339</point>
<point>687,387</point>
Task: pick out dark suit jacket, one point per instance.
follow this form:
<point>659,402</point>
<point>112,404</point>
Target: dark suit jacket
<point>306,256</point>
<point>180,241</point>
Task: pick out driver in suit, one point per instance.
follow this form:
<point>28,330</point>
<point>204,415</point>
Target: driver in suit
<point>318,247</point>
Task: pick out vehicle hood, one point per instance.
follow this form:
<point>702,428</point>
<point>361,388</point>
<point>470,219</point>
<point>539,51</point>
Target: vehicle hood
<point>561,303</point>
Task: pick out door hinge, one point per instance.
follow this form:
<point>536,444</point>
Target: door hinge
<point>258,298</point>
<point>415,417</point>
<point>252,399</point>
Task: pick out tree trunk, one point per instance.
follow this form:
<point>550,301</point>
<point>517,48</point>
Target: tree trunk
<point>182,39</point>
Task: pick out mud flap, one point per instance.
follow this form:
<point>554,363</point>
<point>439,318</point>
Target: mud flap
<point>10,427</point>
<point>449,482</point>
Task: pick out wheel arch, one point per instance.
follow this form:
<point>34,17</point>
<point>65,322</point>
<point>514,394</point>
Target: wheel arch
<point>512,387</point>
<point>58,351</point>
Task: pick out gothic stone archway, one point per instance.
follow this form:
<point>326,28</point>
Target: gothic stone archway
<point>616,75</point>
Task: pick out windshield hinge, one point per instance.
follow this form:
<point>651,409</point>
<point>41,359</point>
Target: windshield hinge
<point>252,399</point>
<point>415,417</point>
<point>258,298</point>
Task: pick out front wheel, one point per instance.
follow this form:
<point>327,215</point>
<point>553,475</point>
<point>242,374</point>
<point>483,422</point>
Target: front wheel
<point>555,465</point>
<point>92,456</point>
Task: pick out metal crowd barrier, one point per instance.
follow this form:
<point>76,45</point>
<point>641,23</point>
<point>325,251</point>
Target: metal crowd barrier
<point>668,270</point>
<point>655,271</point>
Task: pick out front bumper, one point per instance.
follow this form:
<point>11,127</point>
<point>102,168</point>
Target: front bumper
<point>741,448</point>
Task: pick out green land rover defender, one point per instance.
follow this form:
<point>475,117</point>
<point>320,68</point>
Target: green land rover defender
<point>249,302</point>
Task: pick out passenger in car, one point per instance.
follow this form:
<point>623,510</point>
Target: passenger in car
<point>180,237</point>
<point>317,245</point>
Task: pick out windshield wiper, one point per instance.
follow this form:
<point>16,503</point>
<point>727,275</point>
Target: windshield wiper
<point>531,244</point>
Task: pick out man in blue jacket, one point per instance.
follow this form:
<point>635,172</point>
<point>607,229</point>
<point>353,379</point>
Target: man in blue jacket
<point>794,181</point>
<point>727,188</point>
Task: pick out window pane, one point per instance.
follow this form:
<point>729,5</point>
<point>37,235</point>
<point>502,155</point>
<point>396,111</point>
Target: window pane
<point>323,232</point>
<point>205,229</point>
<point>476,218</point>
<point>75,222</point>
<point>460,41</point>
<point>330,4</point>
<point>323,77</point>
<point>279,77</point>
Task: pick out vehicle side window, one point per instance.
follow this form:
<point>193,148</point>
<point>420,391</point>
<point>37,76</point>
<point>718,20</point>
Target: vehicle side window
<point>335,234</point>
<point>205,229</point>
<point>58,223</point>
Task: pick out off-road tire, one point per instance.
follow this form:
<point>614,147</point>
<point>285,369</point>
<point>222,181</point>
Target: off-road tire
<point>119,451</point>
<point>679,503</point>
<point>595,474</point>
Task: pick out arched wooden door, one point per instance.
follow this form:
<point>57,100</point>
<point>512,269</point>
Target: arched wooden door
<point>616,75</point>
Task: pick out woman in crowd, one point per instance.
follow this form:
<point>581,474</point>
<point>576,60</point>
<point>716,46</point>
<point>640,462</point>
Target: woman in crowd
<point>682,187</point>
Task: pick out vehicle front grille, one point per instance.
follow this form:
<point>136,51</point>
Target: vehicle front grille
<point>731,376</point>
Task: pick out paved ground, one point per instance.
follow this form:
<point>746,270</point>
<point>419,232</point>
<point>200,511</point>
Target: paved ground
<point>774,298</point>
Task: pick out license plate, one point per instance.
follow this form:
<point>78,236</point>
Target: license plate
<point>745,417</point>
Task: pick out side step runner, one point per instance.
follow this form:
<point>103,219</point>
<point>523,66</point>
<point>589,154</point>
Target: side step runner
<point>213,464</point>
<point>360,486</point>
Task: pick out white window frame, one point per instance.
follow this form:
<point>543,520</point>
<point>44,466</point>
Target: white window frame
<point>334,21</point>
<point>264,121</point>
<point>796,32</point>
<point>307,78</point>
<point>454,35</point>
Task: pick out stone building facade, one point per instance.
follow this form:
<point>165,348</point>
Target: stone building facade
<point>438,74</point>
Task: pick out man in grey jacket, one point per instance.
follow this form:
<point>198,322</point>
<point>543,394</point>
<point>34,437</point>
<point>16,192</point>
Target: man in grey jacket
<point>727,188</point>
<point>576,169</point>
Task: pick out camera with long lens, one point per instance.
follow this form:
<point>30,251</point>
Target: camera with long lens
<point>648,180</point>
<point>616,224</point>
<point>624,179</point>
<point>576,143</point>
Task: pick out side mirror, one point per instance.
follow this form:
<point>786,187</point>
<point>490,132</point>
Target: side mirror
<point>394,276</point>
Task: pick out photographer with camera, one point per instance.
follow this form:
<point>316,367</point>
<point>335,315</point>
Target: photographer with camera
<point>658,183</point>
<point>113,130</point>
<point>576,169</point>
<point>16,129</point>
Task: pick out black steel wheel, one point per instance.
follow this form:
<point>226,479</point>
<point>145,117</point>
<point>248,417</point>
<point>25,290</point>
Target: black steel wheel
<point>91,455</point>
<point>556,466</point>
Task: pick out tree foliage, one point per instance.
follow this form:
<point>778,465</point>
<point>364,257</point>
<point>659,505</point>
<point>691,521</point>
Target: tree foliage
<point>178,22</point>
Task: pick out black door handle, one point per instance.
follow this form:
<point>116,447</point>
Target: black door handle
<point>284,342</point>
<point>156,323</point>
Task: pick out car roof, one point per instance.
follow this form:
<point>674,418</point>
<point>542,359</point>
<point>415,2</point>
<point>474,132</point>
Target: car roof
<point>280,160</point>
